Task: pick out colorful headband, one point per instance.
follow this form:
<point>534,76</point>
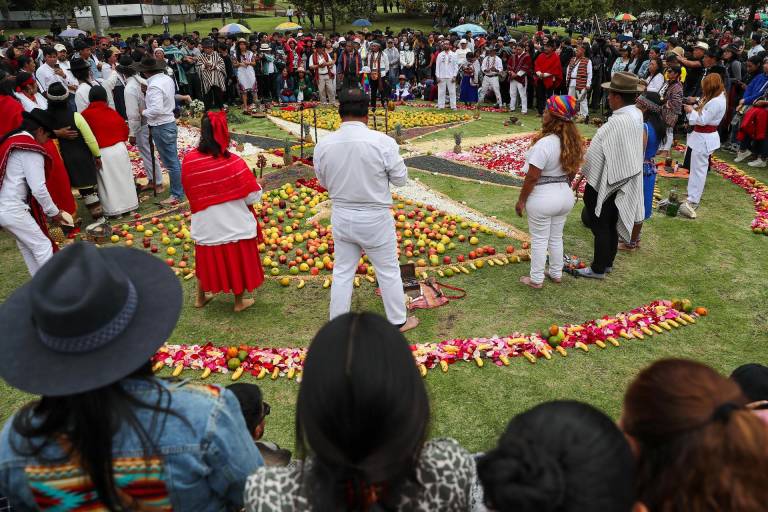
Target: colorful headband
<point>646,103</point>
<point>562,107</point>
<point>220,130</point>
<point>28,81</point>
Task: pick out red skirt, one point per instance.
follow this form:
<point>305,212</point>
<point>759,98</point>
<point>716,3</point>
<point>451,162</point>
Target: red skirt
<point>230,268</point>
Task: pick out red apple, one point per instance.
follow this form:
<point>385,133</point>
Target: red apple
<point>510,249</point>
<point>153,248</point>
<point>460,258</point>
<point>170,262</point>
<point>446,260</point>
<point>472,255</point>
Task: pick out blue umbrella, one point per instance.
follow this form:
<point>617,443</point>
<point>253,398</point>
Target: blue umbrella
<point>72,32</point>
<point>469,27</point>
<point>361,23</point>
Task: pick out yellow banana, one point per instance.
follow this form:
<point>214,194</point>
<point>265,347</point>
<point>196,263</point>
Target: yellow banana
<point>472,266</point>
<point>237,373</point>
<point>327,283</point>
<point>688,318</point>
<point>637,334</point>
<point>370,279</point>
<point>612,341</point>
<point>444,366</point>
<point>665,325</point>
<point>464,270</point>
<point>177,371</point>
<point>600,343</point>
<point>423,370</point>
<point>275,373</point>
<point>158,366</point>
<point>262,373</point>
<point>491,263</point>
<point>673,323</point>
<point>681,321</point>
<point>561,351</point>
<point>479,361</point>
<point>646,331</point>
<point>582,346</point>
<point>451,349</point>
<point>484,346</point>
<point>498,262</point>
<point>530,357</point>
<point>546,353</point>
<point>657,328</point>
<point>456,269</point>
<point>515,341</point>
<point>301,284</point>
<point>291,372</point>
<point>504,360</point>
<point>206,373</point>
<point>624,334</point>
<point>357,282</point>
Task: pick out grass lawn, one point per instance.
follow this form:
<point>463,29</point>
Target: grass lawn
<point>716,261</point>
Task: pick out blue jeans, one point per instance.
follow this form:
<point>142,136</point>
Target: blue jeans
<point>164,137</point>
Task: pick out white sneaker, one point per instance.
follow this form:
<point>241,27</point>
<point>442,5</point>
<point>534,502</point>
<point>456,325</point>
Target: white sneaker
<point>759,162</point>
<point>742,155</point>
<point>687,210</point>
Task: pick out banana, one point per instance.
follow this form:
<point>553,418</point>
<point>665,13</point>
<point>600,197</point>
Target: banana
<point>327,283</point>
<point>456,269</point>
<point>484,346</point>
<point>423,370</point>
<point>612,341</point>
<point>276,360</point>
<point>673,323</point>
<point>625,335</point>
<point>370,279</point>
<point>646,331</point>
<point>301,284</point>
<point>464,270</point>
<point>688,318</point>
<point>530,357</point>
<point>504,360</point>
<point>546,353</point>
<point>491,263</point>
<point>472,266</point>
<point>291,372</point>
<point>177,371</point>
<point>262,373</point>
<point>357,282</point>
<point>444,366</point>
<point>451,349</point>
<point>424,275</point>
<point>206,373</point>
<point>441,273</point>
<point>275,373</point>
<point>582,346</point>
<point>561,351</point>
<point>600,343</point>
<point>514,341</point>
<point>237,373</point>
<point>158,366</point>
<point>498,262</point>
<point>479,361</point>
<point>665,325</point>
<point>681,321</point>
<point>637,334</point>
<point>657,328</point>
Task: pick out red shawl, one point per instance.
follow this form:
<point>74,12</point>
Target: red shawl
<point>754,123</point>
<point>57,179</point>
<point>549,64</point>
<point>107,125</point>
<point>315,61</point>
<point>24,142</point>
<point>11,118</point>
<point>210,180</point>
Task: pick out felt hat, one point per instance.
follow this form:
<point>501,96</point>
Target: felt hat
<point>41,117</point>
<point>88,318</point>
<point>78,64</point>
<point>57,92</point>
<point>624,83</point>
<point>125,63</point>
<point>151,64</point>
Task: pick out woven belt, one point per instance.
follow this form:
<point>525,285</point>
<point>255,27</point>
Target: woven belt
<point>710,128</point>
<point>547,180</point>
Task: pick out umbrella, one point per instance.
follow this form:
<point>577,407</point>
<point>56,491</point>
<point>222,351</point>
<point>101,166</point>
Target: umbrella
<point>468,27</point>
<point>625,17</point>
<point>234,28</point>
<point>285,27</point>
<point>72,32</point>
<point>361,23</point>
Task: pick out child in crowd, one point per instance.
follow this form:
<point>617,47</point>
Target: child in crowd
<point>402,90</point>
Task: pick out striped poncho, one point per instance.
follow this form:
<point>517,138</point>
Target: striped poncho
<point>213,71</point>
<point>614,164</point>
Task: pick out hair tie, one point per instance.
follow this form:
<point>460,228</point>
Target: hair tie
<point>220,130</point>
<point>723,412</point>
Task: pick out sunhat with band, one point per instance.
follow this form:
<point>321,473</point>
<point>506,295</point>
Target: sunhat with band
<point>88,318</point>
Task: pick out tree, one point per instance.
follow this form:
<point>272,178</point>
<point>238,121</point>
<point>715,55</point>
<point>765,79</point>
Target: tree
<point>198,6</point>
<point>59,8</point>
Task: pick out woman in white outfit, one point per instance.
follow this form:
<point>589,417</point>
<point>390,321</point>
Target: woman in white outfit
<point>552,162</point>
<point>246,74</point>
<point>704,139</point>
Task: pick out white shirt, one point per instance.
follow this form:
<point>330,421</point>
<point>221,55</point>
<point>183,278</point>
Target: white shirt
<point>575,74</point>
<point>134,104</point>
<point>491,62</point>
<point>25,173</point>
<point>407,58</point>
<point>634,112</point>
<point>710,115</point>
<point>656,83</point>
<point>81,97</point>
<point>46,76</point>
<point>446,65</point>
<point>383,62</point>
<point>357,165</point>
<point>461,55</point>
<point>71,80</point>
<point>755,50</point>
<point>225,222</point>
<point>160,100</point>
<point>545,155</point>
<point>29,105</point>
<point>106,70</point>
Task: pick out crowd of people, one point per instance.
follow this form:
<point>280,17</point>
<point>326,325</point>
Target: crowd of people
<point>108,434</point>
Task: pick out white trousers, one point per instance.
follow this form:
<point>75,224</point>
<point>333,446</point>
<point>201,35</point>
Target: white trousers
<point>446,85</point>
<point>327,88</point>
<point>667,145</point>
<point>491,82</point>
<point>35,247</point>
<point>698,176</point>
<point>548,207</point>
<point>516,88</point>
<point>583,104</point>
<point>373,232</point>
<point>142,142</point>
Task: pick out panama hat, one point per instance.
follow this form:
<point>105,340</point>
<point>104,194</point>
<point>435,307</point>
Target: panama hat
<point>265,47</point>
<point>88,318</point>
<point>702,46</point>
<point>624,83</point>
<point>59,47</point>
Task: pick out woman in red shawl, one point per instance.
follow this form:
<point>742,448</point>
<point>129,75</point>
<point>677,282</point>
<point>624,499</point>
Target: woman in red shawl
<point>548,74</point>
<point>221,190</point>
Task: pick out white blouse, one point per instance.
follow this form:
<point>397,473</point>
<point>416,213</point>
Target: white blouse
<point>226,222</point>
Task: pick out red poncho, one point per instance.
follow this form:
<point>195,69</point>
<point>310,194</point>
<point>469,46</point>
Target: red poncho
<point>107,125</point>
<point>24,142</point>
<point>210,180</point>
<point>549,64</point>
<point>11,118</point>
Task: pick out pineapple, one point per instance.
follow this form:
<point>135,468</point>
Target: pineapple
<point>287,153</point>
<point>399,133</point>
<point>306,133</point>
<point>457,136</point>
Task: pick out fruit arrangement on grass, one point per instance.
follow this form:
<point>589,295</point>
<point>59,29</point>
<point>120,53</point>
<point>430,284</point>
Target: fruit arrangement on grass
<point>328,119</point>
<point>297,244</point>
<point>754,187</point>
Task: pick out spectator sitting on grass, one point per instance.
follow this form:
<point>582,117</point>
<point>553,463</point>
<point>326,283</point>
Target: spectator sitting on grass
<point>255,411</point>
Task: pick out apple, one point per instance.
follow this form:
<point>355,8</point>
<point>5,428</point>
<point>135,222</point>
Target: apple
<point>170,262</point>
<point>472,255</point>
<point>114,239</point>
<point>460,258</point>
<point>155,220</point>
<point>510,249</point>
<point>153,248</point>
<point>474,241</point>
<point>446,260</point>
<point>129,243</point>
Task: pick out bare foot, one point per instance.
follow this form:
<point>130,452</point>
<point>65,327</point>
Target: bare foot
<point>202,301</point>
<point>243,305</point>
<point>556,280</point>
<point>411,323</point>
<point>526,280</point>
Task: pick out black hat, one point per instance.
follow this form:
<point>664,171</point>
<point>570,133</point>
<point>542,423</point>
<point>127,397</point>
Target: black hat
<point>57,92</point>
<point>88,318</point>
<point>41,117</point>
<point>753,380</point>
<point>125,64</point>
<point>78,64</point>
<point>151,64</point>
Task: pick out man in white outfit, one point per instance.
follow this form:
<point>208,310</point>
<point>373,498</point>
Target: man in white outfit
<point>446,69</point>
<point>491,67</point>
<point>357,166</point>
<point>24,197</point>
<point>138,130</point>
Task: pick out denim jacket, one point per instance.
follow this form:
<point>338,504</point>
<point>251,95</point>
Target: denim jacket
<point>202,464</point>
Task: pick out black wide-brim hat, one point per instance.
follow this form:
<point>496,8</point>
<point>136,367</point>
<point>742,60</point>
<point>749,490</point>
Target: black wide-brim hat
<point>88,318</point>
<point>78,64</point>
<point>150,64</point>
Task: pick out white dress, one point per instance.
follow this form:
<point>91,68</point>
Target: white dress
<point>246,76</point>
<point>117,190</point>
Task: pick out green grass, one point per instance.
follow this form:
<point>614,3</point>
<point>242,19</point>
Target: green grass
<point>715,260</point>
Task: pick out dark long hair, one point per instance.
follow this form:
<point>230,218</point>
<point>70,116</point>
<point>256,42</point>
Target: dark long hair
<point>547,455</point>
<point>88,422</point>
<point>362,413</point>
<point>208,144</point>
<point>654,118</point>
